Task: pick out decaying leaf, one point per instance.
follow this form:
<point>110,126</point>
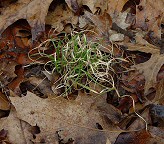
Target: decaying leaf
<point>34,11</point>
<point>75,119</point>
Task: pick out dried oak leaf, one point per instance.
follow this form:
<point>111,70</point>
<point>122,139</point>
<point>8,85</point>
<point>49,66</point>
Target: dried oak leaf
<point>149,15</point>
<point>151,67</point>
<point>110,5</point>
<point>150,70</point>
<point>34,11</point>
<point>61,16</point>
<point>75,120</point>
<point>16,131</point>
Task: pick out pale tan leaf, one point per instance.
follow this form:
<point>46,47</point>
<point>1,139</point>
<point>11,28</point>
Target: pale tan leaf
<point>13,125</point>
<point>34,11</point>
<point>75,119</point>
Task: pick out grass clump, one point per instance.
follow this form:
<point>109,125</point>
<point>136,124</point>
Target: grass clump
<point>80,62</point>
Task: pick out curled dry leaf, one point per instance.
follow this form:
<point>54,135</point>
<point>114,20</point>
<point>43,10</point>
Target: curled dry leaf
<point>34,11</point>
<point>72,119</point>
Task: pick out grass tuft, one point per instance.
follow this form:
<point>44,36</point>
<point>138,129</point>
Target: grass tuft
<point>80,62</point>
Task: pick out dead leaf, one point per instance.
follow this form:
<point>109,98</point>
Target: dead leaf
<point>150,70</point>
<point>34,11</point>
<point>157,115</point>
<point>149,15</point>
<point>101,22</point>
<point>139,137</point>
<point>14,85</point>
<point>4,102</point>
<point>111,6</point>
<point>157,131</point>
<point>42,84</point>
<point>8,68</point>
<point>159,96</point>
<point>75,118</point>
<point>114,7</point>
<point>139,123</point>
<point>61,16</point>
<point>3,137</point>
<point>13,125</point>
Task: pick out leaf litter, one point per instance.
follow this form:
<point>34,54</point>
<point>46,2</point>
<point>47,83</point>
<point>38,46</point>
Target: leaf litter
<point>77,119</point>
<point>31,110</point>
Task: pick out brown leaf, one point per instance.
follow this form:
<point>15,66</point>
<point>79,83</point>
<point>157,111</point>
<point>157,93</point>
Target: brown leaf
<point>114,7</point>
<point>140,137</point>
<point>157,115</point>
<point>111,5</point>
<point>13,125</point>
<point>150,70</point>
<point>42,84</point>
<point>3,134</point>
<point>102,22</point>
<point>61,16</point>
<point>151,67</point>
<point>7,74</point>
<point>159,96</point>
<point>149,15</point>
<point>34,11</point>
<point>4,102</point>
<point>8,69</point>
<point>75,119</point>
<point>157,132</point>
